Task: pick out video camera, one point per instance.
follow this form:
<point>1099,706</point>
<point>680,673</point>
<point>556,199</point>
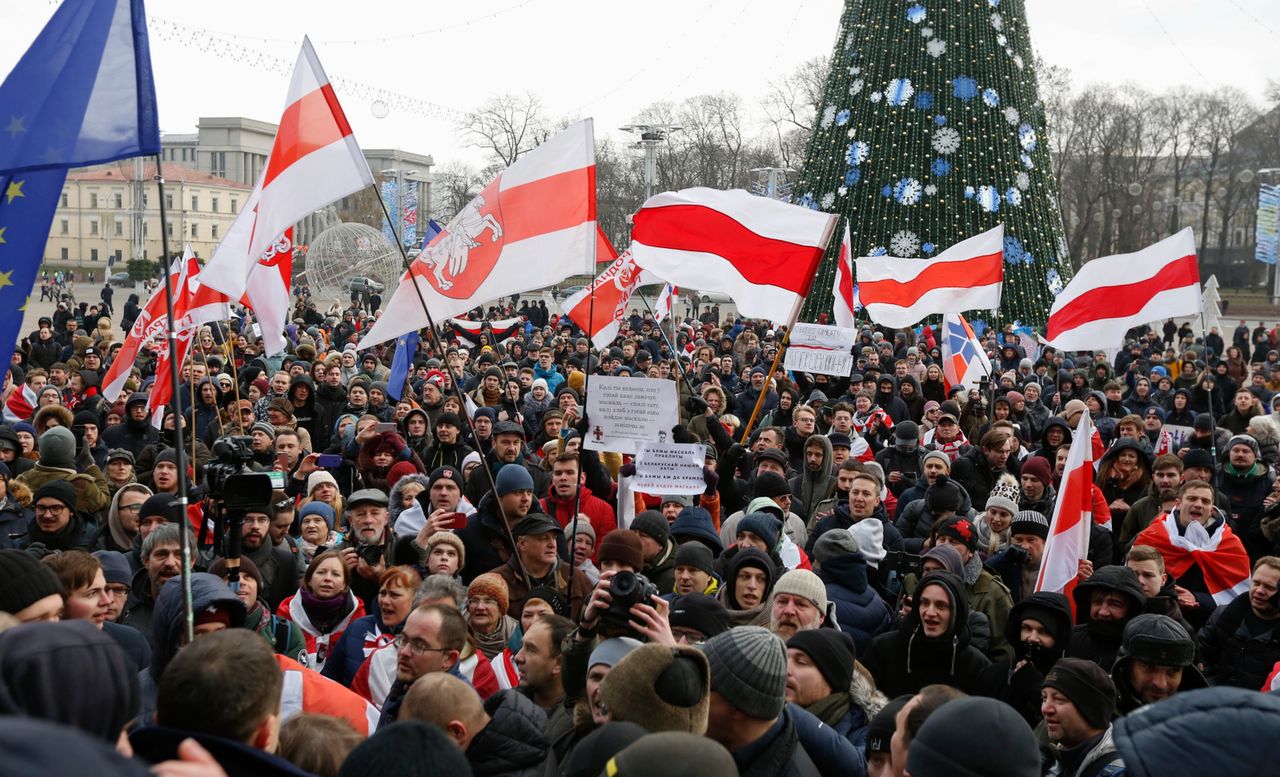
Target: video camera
<point>235,490</point>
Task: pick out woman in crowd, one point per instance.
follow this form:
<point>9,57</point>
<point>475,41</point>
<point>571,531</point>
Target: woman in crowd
<point>323,606</point>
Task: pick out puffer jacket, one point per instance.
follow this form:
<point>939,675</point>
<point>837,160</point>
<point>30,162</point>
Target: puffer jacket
<point>167,621</point>
<point>861,612</point>
<point>515,741</point>
<point>1231,654</point>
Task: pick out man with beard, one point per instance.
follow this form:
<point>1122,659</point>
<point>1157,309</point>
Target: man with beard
<point>275,563</point>
<point>367,549</point>
<point>1165,477</point>
<point>799,603</point>
<point>1039,629</point>
<point>1105,603</point>
<point>1246,482</point>
<point>161,561</point>
<point>746,401</point>
<point>508,448</point>
<point>1156,661</point>
<point>820,669</point>
<point>1208,562</point>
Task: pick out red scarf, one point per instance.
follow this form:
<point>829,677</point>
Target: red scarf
<point>1221,556</point>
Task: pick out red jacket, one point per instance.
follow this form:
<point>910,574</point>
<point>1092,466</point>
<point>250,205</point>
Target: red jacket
<point>598,511</point>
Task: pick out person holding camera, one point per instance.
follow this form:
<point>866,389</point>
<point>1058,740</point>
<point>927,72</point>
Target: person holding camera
<point>368,544</point>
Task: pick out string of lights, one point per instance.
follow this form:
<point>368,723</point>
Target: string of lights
<point>931,130</point>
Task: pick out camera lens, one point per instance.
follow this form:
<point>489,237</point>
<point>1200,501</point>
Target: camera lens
<point>623,585</point>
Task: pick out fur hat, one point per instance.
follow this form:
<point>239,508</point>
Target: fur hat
<point>661,688</point>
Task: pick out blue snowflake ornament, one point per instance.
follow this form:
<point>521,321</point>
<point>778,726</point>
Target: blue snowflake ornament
<point>887,191</point>
<point>1013,196</point>
<point>991,98</point>
<point>907,191</point>
<point>879,251</point>
<point>852,176</point>
<point>916,13</point>
<point>1026,161</point>
<point>842,118</point>
<point>964,88</point>
<point>858,152</point>
<point>924,100</point>
<point>1027,137</point>
<point>940,120</point>
<point>928,248</point>
<point>940,167</point>
<point>969,192</point>
<point>989,198</point>
<point>807,201</point>
<point>1013,249</point>
<point>1027,258</point>
<point>899,91</point>
<point>1054,282</point>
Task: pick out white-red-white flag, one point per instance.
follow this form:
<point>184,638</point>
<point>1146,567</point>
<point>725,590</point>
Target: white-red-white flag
<point>602,316</point>
<point>314,161</point>
<point>668,298</point>
<point>900,292</point>
<point>194,304</point>
<point>152,322</point>
<point>844,304</point>
<point>532,226</point>
<point>1112,294</point>
<point>761,252</point>
<point>1068,542</point>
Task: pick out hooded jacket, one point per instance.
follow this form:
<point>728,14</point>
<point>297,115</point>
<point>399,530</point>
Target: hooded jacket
<point>810,487</point>
<point>860,611</point>
<point>890,402</point>
<point>1232,654</point>
<point>1046,450</point>
<point>754,616</point>
<point>904,661</point>
<point>305,415</point>
<point>168,620</point>
<point>1100,641</point>
<point>515,740</point>
<point>1020,687</point>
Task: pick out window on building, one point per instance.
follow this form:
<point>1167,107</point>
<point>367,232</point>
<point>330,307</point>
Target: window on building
<point>218,163</point>
<point>195,202</point>
<point>213,203</point>
<point>93,227</point>
<point>93,254</point>
<point>93,199</point>
<point>64,254</point>
<point>234,205</point>
<point>64,227</point>
<point>119,256</point>
<point>119,200</point>
<point>66,201</point>
<point>168,201</point>
<point>119,227</point>
<point>195,230</point>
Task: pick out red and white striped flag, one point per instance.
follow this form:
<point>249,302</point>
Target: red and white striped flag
<point>967,276</point>
<point>613,288</point>
<point>668,298</point>
<point>761,252</point>
<point>152,322</point>
<point>1072,518</point>
<point>315,160</point>
<point>532,226</point>
<point>844,304</point>
<point>1112,294</point>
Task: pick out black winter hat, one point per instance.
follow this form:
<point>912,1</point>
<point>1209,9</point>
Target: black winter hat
<point>42,747</point>
<point>945,746</point>
<point>1199,457</point>
<point>409,748</point>
<point>832,651</point>
<point>652,524</point>
<point>943,496</point>
<point>62,490</point>
<point>68,672</point>
<point>164,505</point>
<point>592,754</point>
<point>771,484</point>
<point>24,581</point>
<point>1114,577</point>
<point>696,555</point>
<point>1049,608</point>
<point>1159,640</point>
<point>1087,686</point>
<point>671,754</point>
<point>882,725</point>
<point>701,612</point>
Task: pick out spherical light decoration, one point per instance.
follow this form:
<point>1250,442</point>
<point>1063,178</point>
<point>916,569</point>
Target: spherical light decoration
<point>345,251</point>
<point>1135,189</point>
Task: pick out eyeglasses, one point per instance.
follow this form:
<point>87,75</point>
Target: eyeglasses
<point>416,646</point>
<point>130,508</point>
<point>50,509</point>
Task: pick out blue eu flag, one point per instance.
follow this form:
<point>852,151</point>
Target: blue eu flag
<point>82,94</point>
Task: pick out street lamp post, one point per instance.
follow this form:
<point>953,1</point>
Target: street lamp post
<point>651,136</point>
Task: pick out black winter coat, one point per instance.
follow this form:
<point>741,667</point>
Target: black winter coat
<point>860,611</point>
<point>515,741</point>
<point>783,756</point>
<point>1231,655</point>
<point>971,470</point>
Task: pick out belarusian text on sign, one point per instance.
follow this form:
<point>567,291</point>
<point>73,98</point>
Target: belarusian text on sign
<point>626,412</point>
<point>670,468</point>
<point>824,349</point>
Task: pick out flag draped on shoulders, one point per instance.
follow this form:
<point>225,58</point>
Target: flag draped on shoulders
<point>1219,554</point>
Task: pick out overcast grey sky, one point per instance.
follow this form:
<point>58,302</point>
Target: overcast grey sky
<point>609,59</point>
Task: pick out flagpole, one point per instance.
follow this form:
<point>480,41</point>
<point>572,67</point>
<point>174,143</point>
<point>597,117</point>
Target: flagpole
<point>175,386</point>
<point>674,353</point>
<point>457,390</point>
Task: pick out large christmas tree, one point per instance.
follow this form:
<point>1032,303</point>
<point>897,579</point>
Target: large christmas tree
<point>931,130</point>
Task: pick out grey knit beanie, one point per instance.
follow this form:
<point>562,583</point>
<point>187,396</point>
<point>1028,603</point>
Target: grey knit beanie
<point>749,669</point>
<point>58,448</point>
<point>832,544</point>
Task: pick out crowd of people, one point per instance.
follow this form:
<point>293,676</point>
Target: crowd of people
<point>446,581</point>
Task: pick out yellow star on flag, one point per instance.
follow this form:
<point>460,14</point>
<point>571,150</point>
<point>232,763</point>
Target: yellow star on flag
<point>15,190</point>
<point>15,126</point>
<point>2,229</point>
<point>4,280</point>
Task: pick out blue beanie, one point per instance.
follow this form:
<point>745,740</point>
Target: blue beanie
<point>316,508</point>
<point>762,525</point>
<point>513,477</point>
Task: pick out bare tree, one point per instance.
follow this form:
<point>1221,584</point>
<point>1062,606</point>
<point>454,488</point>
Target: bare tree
<point>453,186</point>
<point>791,107</point>
<point>507,126</point>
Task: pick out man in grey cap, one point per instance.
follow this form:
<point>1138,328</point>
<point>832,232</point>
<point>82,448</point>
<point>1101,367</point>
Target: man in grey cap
<point>367,549</point>
<point>748,712</point>
<point>537,562</point>
<point>1156,660</point>
<point>508,448</point>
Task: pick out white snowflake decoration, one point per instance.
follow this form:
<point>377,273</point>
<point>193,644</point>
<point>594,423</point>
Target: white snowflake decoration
<point>1011,115</point>
<point>1022,181</point>
<point>856,86</point>
<point>931,190</point>
<point>899,91</point>
<point>1027,137</point>
<point>1017,60</point>
<point>1013,196</point>
<point>1054,282</point>
<point>849,40</point>
<point>858,152</point>
<point>991,98</point>
<point>842,191</point>
<point>876,97</point>
<point>936,48</point>
<point>997,21</point>
<point>989,198</point>
<point>926,32</point>
<point>1026,161</point>
<point>828,200</point>
<point>907,191</point>
<point>828,116</point>
<point>904,243</point>
<point>946,141</point>
<point>1001,40</point>
<point>850,133</point>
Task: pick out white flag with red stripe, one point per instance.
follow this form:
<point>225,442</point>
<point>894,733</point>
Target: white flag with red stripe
<point>667,301</point>
<point>314,161</point>
<point>152,322</point>
<point>843,305</point>
<point>1112,294</point>
<point>902,292</point>
<point>602,317</point>
<point>761,252</point>
<point>1068,542</point>
<point>532,226</point>
<point>194,304</point>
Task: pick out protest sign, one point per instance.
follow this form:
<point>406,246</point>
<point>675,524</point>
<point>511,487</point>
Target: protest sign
<point>817,348</point>
<point>1179,434</point>
<point>627,412</point>
<point>670,468</point>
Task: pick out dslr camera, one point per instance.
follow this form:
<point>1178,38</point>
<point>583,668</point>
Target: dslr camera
<point>625,590</point>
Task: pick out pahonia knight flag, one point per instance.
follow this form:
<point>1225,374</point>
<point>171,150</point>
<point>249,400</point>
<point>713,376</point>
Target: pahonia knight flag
<point>532,226</point>
<point>314,161</point>
<point>601,317</point>
<point>761,252</point>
